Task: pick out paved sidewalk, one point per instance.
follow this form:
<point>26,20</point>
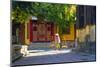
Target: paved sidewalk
<point>47,52</point>
<point>53,56</point>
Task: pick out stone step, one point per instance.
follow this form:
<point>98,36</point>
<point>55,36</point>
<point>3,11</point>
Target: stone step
<point>39,45</point>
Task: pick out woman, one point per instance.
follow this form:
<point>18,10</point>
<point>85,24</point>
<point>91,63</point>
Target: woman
<point>57,41</point>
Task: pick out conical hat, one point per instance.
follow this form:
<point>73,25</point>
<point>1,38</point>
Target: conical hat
<point>56,34</point>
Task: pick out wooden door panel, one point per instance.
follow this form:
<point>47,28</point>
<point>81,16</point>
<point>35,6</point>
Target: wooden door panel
<point>35,32</point>
<point>48,32</point>
<point>42,32</point>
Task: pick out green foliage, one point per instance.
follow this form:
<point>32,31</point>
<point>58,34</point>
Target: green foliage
<point>20,11</point>
<point>61,14</point>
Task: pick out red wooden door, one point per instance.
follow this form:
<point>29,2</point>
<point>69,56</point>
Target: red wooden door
<point>42,32</point>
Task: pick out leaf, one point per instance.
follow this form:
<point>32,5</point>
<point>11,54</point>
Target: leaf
<point>61,14</point>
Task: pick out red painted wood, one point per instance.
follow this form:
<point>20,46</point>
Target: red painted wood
<point>52,31</point>
<point>38,37</point>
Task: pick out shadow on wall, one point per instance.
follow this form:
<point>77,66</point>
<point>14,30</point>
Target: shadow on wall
<point>86,39</point>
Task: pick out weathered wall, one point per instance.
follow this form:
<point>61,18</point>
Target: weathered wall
<point>87,31</point>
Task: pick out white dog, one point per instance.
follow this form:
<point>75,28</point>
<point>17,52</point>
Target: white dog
<point>24,50</point>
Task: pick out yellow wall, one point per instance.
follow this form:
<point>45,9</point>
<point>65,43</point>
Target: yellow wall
<point>70,36</point>
<point>26,32</point>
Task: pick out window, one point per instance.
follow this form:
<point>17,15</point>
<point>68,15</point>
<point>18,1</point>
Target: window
<point>66,31</point>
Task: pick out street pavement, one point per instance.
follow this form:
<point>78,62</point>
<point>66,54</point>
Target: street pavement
<point>42,56</point>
